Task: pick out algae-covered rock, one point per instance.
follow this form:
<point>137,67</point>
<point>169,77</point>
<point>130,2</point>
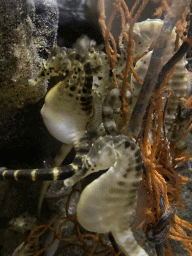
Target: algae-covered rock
<point>27,31</point>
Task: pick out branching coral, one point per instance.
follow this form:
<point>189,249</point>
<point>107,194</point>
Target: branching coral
<point>160,177</point>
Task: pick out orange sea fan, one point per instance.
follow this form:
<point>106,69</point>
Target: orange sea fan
<point>157,159</point>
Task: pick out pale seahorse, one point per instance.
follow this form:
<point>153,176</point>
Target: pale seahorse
<point>144,33</point>
<point>178,83</point>
<point>73,105</point>
<point>107,203</point>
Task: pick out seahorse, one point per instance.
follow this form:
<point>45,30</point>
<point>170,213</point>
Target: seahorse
<point>69,104</point>
<point>73,105</point>
<point>144,33</point>
<point>178,83</point>
<point>107,203</point>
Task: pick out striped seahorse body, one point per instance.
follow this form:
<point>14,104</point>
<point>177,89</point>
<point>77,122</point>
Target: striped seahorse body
<point>111,102</point>
<point>111,111</point>
<point>107,204</point>
<point>179,83</point>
